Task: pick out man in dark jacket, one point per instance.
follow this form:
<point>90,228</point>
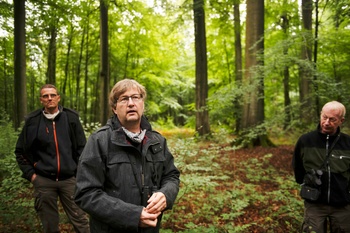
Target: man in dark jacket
<point>47,152</point>
<point>126,176</point>
<point>321,165</point>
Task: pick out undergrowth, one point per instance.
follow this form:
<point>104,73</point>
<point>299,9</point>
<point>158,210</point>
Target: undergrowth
<point>213,197</point>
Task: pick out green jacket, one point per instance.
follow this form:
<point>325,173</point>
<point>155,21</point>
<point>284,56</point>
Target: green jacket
<point>310,153</point>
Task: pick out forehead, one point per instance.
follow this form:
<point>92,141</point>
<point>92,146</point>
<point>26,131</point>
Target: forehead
<point>130,91</point>
<point>329,111</point>
<point>49,91</point>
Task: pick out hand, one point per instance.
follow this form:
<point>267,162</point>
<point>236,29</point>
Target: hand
<point>156,203</point>
<point>33,178</point>
<point>148,219</point>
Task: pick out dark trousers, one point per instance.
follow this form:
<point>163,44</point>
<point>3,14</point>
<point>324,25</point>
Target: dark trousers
<point>317,216</point>
<point>46,193</point>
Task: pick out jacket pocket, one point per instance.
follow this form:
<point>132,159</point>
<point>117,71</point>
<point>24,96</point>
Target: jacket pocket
<point>119,170</point>
<point>155,161</point>
<point>157,157</point>
<point>339,195</point>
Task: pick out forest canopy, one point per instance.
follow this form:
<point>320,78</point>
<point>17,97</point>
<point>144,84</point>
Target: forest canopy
<point>153,42</point>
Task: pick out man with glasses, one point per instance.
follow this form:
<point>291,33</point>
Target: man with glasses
<point>126,176</point>
<point>47,152</point>
<point>321,165</point>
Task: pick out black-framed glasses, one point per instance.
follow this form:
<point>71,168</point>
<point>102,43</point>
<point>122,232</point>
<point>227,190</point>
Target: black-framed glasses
<point>125,99</point>
<point>46,96</point>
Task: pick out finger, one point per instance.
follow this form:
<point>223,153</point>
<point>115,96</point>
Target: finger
<point>158,207</point>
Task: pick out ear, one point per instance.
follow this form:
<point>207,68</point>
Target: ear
<point>115,110</point>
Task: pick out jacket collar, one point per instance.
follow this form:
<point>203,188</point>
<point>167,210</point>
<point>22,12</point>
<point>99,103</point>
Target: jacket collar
<point>324,135</point>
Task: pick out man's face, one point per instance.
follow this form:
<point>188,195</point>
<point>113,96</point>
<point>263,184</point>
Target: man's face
<point>330,120</point>
<point>49,99</point>
<point>129,108</point>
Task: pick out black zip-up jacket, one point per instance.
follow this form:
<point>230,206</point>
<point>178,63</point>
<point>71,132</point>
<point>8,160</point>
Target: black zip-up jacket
<point>310,153</point>
<point>109,178</point>
<point>50,148</point>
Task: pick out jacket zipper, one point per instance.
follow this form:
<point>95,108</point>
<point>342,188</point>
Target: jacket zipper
<point>341,157</point>
<point>328,171</point>
<point>57,151</point>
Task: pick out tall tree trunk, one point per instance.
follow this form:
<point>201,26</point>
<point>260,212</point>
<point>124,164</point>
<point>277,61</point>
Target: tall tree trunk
<point>86,75</point>
<point>20,93</point>
<point>66,67</point>
<point>286,75</point>
<point>317,99</point>
<point>95,104</point>
<point>77,88</point>
<point>238,63</point>
<point>104,72</point>
<point>202,115</point>
<point>339,14</point>
<point>253,109</point>
<point>5,83</point>
<point>307,109</point>
<point>51,66</point>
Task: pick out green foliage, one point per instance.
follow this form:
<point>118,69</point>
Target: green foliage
<point>212,198</point>
<point>14,190</point>
<point>89,128</point>
<point>152,42</point>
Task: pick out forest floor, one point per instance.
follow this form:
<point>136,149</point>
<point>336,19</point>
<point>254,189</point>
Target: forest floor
<point>280,158</point>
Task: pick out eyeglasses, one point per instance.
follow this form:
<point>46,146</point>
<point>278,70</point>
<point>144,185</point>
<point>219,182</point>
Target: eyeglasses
<point>330,119</point>
<point>46,96</point>
<point>125,99</point>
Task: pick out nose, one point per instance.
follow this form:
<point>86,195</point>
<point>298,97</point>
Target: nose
<point>130,98</point>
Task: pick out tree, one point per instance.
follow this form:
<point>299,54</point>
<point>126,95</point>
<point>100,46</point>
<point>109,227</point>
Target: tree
<point>317,99</point>
<point>202,115</point>
<point>104,72</point>
<point>306,107</point>
<point>253,109</point>
<point>286,74</point>
<point>52,53</point>
<point>20,92</point>
<point>238,63</point>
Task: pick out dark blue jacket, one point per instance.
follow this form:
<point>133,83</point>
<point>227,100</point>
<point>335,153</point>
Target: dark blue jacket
<point>50,148</point>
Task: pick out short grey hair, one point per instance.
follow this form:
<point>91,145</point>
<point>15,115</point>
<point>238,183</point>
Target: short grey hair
<point>336,106</point>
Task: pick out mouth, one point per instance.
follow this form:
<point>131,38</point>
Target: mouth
<point>131,112</point>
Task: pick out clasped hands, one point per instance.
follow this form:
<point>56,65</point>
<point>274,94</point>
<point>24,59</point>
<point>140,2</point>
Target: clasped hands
<point>149,214</point>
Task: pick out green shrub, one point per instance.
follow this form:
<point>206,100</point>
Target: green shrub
<point>16,205</point>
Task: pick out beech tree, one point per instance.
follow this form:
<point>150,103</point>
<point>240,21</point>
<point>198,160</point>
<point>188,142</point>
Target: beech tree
<point>20,92</point>
<point>253,109</point>
<point>238,62</point>
<point>202,115</point>
<point>305,86</point>
<point>104,56</point>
